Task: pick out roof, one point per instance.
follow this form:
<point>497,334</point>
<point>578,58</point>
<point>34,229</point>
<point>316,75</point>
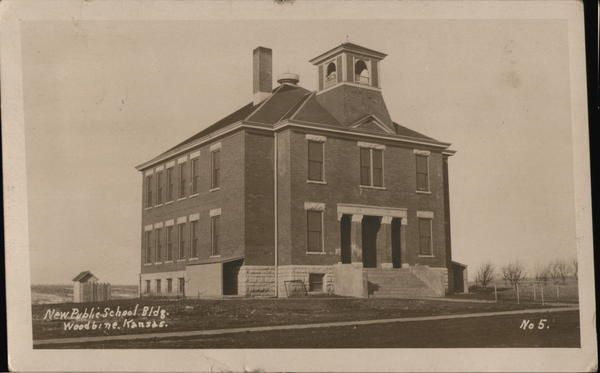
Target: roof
<point>83,276</point>
<point>288,102</point>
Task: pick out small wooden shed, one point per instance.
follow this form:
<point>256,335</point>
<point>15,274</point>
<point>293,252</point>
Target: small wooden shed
<point>86,288</point>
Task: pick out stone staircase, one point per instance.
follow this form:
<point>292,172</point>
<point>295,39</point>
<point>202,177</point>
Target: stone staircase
<point>395,283</point>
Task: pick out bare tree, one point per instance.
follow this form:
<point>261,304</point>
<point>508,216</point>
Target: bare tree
<point>542,274</point>
<point>574,268</point>
<point>513,273</point>
<point>559,271</point>
<point>485,274</point>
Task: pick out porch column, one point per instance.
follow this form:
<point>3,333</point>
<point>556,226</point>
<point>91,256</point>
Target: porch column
<point>384,243</point>
<point>403,250</point>
<point>356,243</point>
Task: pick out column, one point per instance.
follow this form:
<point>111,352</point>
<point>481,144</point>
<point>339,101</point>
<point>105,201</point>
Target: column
<point>384,243</point>
<point>403,250</point>
<point>356,243</point>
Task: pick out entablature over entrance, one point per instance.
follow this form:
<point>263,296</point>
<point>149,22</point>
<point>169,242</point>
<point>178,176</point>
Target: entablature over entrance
<point>354,209</point>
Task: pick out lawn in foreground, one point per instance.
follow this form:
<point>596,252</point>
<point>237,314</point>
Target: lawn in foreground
<point>232,313</point>
<point>495,331</point>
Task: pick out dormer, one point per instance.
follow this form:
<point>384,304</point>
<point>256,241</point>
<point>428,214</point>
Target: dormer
<point>350,64</point>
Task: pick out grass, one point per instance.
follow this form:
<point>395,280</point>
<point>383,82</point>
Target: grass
<point>239,312</point>
<point>496,331</point>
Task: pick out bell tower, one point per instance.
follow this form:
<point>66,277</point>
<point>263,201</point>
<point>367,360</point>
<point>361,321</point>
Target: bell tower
<point>349,84</point>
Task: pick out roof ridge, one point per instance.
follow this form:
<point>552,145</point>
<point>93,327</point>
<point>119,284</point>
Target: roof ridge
<point>303,102</point>
<point>262,104</point>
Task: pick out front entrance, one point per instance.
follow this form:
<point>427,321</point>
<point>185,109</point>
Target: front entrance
<point>230,277</point>
<point>370,227</point>
<point>346,239</point>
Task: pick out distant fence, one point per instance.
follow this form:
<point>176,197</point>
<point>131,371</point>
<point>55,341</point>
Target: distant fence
<point>93,292</point>
<point>530,292</point>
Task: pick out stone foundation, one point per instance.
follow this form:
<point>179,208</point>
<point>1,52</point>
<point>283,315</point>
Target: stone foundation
<point>256,281</point>
<point>301,272</point>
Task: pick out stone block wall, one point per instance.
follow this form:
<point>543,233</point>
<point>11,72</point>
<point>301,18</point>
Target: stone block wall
<point>256,281</point>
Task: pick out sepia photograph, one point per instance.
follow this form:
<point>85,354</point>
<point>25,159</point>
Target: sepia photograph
<point>226,178</point>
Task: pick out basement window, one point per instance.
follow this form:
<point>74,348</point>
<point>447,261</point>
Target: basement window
<point>315,282</point>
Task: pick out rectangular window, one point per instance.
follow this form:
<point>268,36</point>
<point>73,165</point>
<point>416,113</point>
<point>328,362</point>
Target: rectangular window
<point>422,172</point>
<point>314,230</point>
<point>182,181</point>
<point>195,176</point>
<point>215,181</point>
<point>148,247</point>
<point>169,233</point>
<point>315,281</point>
<point>181,234</point>
<point>425,244</point>
<point>159,188</point>
<point>371,167</point>
<point>149,191</point>
<point>182,285</point>
<point>214,234</point>
<point>170,185</point>
<point>194,239</point>
<point>148,286</point>
<point>169,285</point>
<point>158,287</point>
<point>158,245</point>
<point>315,161</point>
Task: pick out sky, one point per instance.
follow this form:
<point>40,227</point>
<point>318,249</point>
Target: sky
<point>101,97</point>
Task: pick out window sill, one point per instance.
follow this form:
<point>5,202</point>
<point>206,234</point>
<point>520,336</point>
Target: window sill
<point>147,264</point>
<point>148,208</point>
<point>169,202</point>
<point>316,182</point>
<point>181,260</point>
<point>194,195</point>
<point>158,262</point>
<point>423,191</point>
<point>426,256</point>
<point>372,187</point>
<point>316,253</point>
<point>194,258</point>
<point>181,199</point>
<point>168,261</point>
<point>214,189</point>
<point>215,256</point>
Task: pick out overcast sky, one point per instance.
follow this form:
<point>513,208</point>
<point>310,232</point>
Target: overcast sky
<point>102,97</point>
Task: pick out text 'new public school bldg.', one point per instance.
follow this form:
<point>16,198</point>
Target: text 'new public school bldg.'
<point>320,191</point>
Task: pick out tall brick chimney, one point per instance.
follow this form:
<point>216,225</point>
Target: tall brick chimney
<point>262,73</point>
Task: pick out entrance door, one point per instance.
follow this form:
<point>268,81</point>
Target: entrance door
<point>346,239</point>
<point>370,226</point>
<point>230,277</point>
<point>396,245</point>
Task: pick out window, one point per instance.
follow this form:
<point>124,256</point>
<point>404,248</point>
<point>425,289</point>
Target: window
<point>170,186</point>
<point>315,161</point>
<point>159,188</point>
<point>215,174</point>
<point>194,239</point>
<point>182,180</point>
<point>148,247</point>
<point>422,173</point>
<point>182,285</point>
<point>149,191</point>
<point>181,235</point>
<point>330,75</point>
<point>214,234</point>
<point>315,281</point>
<point>371,167</point>
<point>169,232</point>
<point>169,285</point>
<point>195,177</point>
<point>425,244</point>
<point>148,286</point>
<point>314,231</point>
<point>158,245</point>
<point>361,72</point>
<point>158,287</point>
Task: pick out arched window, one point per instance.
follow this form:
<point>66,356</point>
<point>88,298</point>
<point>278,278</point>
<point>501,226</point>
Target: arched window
<point>331,70</point>
<point>361,72</point>
<point>330,74</point>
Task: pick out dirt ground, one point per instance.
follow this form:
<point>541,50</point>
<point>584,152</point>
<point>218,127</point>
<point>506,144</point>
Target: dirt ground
<point>240,312</point>
<point>561,330</point>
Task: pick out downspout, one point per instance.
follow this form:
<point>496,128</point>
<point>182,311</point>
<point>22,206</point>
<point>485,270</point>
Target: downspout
<point>276,212</point>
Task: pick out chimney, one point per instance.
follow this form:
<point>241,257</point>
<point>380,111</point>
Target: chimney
<point>262,73</point>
